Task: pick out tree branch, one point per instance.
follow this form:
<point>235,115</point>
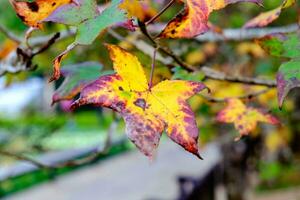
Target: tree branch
<point>72,163</point>
<point>208,72</point>
<point>237,34</point>
<point>246,96</point>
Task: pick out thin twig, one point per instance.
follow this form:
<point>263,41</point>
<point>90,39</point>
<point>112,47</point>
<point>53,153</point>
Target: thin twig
<point>246,96</point>
<point>47,45</point>
<point>208,72</point>
<point>216,75</point>
<point>160,12</point>
<point>166,51</point>
<point>234,34</point>
<point>23,158</point>
<point>152,69</point>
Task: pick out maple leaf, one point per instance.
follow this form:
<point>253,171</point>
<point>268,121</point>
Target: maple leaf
<point>147,111</point>
<point>245,119</point>
<point>266,18</point>
<point>193,20</point>
<point>32,13</point>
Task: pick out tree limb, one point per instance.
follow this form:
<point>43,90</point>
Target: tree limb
<point>208,72</point>
<point>236,34</point>
<point>71,163</point>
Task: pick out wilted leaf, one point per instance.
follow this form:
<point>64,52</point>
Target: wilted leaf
<point>193,20</point>
<point>76,78</point>
<point>288,77</point>
<point>32,13</point>
<point>266,18</point>
<point>147,111</point>
<point>245,119</point>
<point>89,29</point>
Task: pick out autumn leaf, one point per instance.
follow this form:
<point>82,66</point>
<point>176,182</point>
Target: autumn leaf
<point>147,111</point>
<point>89,29</point>
<point>244,118</point>
<point>32,13</point>
<point>266,18</point>
<point>76,78</point>
<point>193,20</point>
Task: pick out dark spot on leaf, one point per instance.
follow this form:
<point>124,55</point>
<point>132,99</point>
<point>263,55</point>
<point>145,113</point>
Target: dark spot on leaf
<point>120,106</point>
<point>33,6</point>
<point>53,4</point>
<point>140,103</point>
<point>121,89</point>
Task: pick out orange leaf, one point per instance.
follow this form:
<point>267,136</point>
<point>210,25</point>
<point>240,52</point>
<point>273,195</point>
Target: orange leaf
<point>245,119</point>
<point>194,18</point>
<point>147,111</point>
<point>32,13</point>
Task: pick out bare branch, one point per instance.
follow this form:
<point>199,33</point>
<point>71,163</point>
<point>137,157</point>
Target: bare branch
<point>238,34</point>
<point>246,96</point>
<point>216,75</point>
<point>208,72</point>
<point>171,2</point>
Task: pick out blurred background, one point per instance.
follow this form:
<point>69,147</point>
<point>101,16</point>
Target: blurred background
<point>95,160</point>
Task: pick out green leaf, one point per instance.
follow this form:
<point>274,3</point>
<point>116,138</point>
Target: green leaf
<point>288,77</point>
<point>292,46</point>
<point>181,74</point>
<point>272,45</point>
<point>90,29</point>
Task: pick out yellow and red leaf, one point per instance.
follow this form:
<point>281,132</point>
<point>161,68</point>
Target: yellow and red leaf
<point>147,111</point>
<point>244,118</point>
<point>193,20</point>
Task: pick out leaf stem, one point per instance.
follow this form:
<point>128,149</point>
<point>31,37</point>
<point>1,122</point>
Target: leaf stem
<point>152,69</point>
<point>160,12</point>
